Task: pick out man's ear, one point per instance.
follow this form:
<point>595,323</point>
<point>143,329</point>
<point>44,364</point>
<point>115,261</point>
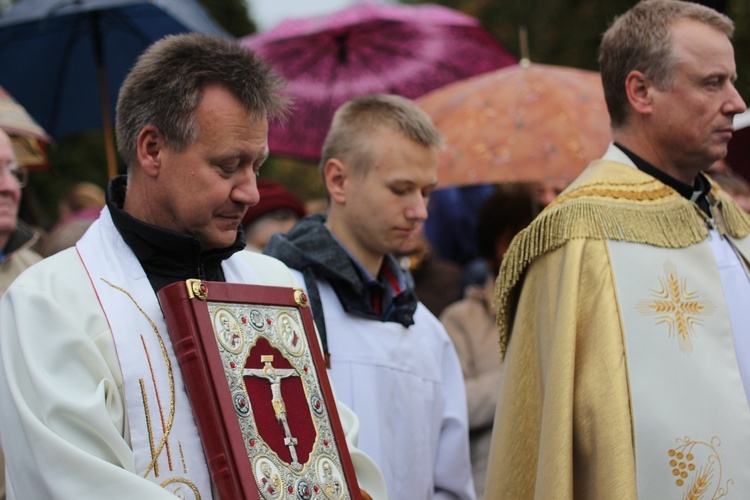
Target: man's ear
<point>639,90</point>
<point>335,173</point>
<point>149,145</point>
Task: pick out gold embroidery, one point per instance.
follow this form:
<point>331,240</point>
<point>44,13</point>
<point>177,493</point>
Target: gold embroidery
<point>168,363</point>
<point>676,306</point>
<point>178,492</point>
<point>182,457</point>
<point>696,465</point>
<point>636,209</point>
<point>158,404</point>
<point>654,192</point>
<point>149,430</point>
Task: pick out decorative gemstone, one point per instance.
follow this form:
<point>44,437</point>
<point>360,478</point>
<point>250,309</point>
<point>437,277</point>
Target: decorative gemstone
<point>325,442</point>
<point>244,320</point>
<point>316,489</point>
<point>233,364</point>
<point>307,369</point>
<point>204,288</point>
<point>252,442</point>
<point>269,321</point>
<point>290,489</point>
<point>303,297</point>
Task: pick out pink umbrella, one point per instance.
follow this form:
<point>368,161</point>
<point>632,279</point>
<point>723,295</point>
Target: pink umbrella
<point>364,49</point>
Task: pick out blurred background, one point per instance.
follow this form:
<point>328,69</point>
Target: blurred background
<point>558,32</point>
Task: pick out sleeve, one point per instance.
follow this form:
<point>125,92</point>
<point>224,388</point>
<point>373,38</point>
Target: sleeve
<point>369,477</point>
<point>61,413</point>
<point>460,321</point>
<point>453,478</point>
<point>562,426</point>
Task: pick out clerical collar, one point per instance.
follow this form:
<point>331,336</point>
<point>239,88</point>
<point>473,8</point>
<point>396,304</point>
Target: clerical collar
<point>697,193</point>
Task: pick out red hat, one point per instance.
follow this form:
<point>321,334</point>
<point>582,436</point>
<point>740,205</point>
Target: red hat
<point>273,196</point>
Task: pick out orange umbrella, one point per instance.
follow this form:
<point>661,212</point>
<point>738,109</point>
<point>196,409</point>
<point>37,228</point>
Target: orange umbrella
<point>519,124</point>
<point>27,136</point>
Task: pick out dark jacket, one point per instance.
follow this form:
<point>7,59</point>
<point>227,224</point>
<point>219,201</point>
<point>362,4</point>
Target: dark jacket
<point>311,249</point>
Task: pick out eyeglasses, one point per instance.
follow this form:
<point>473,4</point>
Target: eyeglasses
<point>19,172</point>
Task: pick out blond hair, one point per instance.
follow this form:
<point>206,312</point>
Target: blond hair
<point>349,138</point>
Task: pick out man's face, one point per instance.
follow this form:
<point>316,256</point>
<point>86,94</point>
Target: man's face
<point>388,205</point>
<point>693,120</point>
<point>547,190</point>
<point>206,188</point>
<point>10,191</point>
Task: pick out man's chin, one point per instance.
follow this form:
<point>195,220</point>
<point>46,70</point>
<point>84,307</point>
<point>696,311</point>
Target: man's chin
<point>7,224</point>
<point>221,240</point>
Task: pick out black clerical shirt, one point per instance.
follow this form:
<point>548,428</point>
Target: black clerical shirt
<point>697,193</point>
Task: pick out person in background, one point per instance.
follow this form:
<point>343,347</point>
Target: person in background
<point>77,210</point>
<point>546,190</point>
<point>277,212</point>
<point>436,281</point>
<point>16,237</point>
<point>92,401</point>
<point>390,359</point>
<point>734,184</point>
<point>623,307</point>
<point>471,322</point>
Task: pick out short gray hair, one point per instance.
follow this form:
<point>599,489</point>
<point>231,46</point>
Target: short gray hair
<point>640,40</point>
<point>165,86</point>
<point>355,121</point>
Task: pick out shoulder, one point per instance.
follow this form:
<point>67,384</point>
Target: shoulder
<point>52,272</point>
<point>270,269</point>
<point>429,326</point>
<point>472,304</point>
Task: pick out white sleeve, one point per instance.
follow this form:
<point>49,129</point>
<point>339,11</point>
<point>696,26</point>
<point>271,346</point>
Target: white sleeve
<point>62,418</point>
<point>369,477</point>
<point>453,478</point>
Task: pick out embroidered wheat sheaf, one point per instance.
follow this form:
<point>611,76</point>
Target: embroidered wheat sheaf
<point>676,306</point>
<point>697,469</point>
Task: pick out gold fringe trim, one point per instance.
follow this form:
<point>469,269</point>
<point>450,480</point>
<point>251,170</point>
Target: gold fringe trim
<point>648,213</point>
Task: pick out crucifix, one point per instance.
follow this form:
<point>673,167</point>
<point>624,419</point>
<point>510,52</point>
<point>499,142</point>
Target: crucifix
<point>274,377</point>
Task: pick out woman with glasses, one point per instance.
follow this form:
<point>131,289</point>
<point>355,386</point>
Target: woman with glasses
<point>16,238</point>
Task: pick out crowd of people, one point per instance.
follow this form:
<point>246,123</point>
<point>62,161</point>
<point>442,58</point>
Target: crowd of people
<point>579,341</point>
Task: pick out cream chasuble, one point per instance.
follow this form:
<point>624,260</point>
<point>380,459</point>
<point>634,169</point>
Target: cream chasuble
<point>163,433</point>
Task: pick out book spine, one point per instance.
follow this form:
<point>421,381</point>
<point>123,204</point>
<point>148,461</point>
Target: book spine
<point>186,342</point>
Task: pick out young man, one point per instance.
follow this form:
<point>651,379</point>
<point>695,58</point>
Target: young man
<point>390,359</point>
<point>624,306</point>
<point>92,402</point>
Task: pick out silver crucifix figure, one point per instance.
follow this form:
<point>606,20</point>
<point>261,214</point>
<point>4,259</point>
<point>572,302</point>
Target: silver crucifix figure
<point>274,377</point>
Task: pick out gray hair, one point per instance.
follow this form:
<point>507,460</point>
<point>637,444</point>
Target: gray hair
<point>640,40</point>
<point>349,138</point>
<point>165,86</point>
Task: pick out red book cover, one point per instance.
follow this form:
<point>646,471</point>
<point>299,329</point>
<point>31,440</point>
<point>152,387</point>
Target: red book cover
<point>257,382</point>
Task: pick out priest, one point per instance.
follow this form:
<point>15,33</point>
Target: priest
<point>623,308</point>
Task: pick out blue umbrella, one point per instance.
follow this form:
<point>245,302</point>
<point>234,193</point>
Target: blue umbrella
<point>64,61</point>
